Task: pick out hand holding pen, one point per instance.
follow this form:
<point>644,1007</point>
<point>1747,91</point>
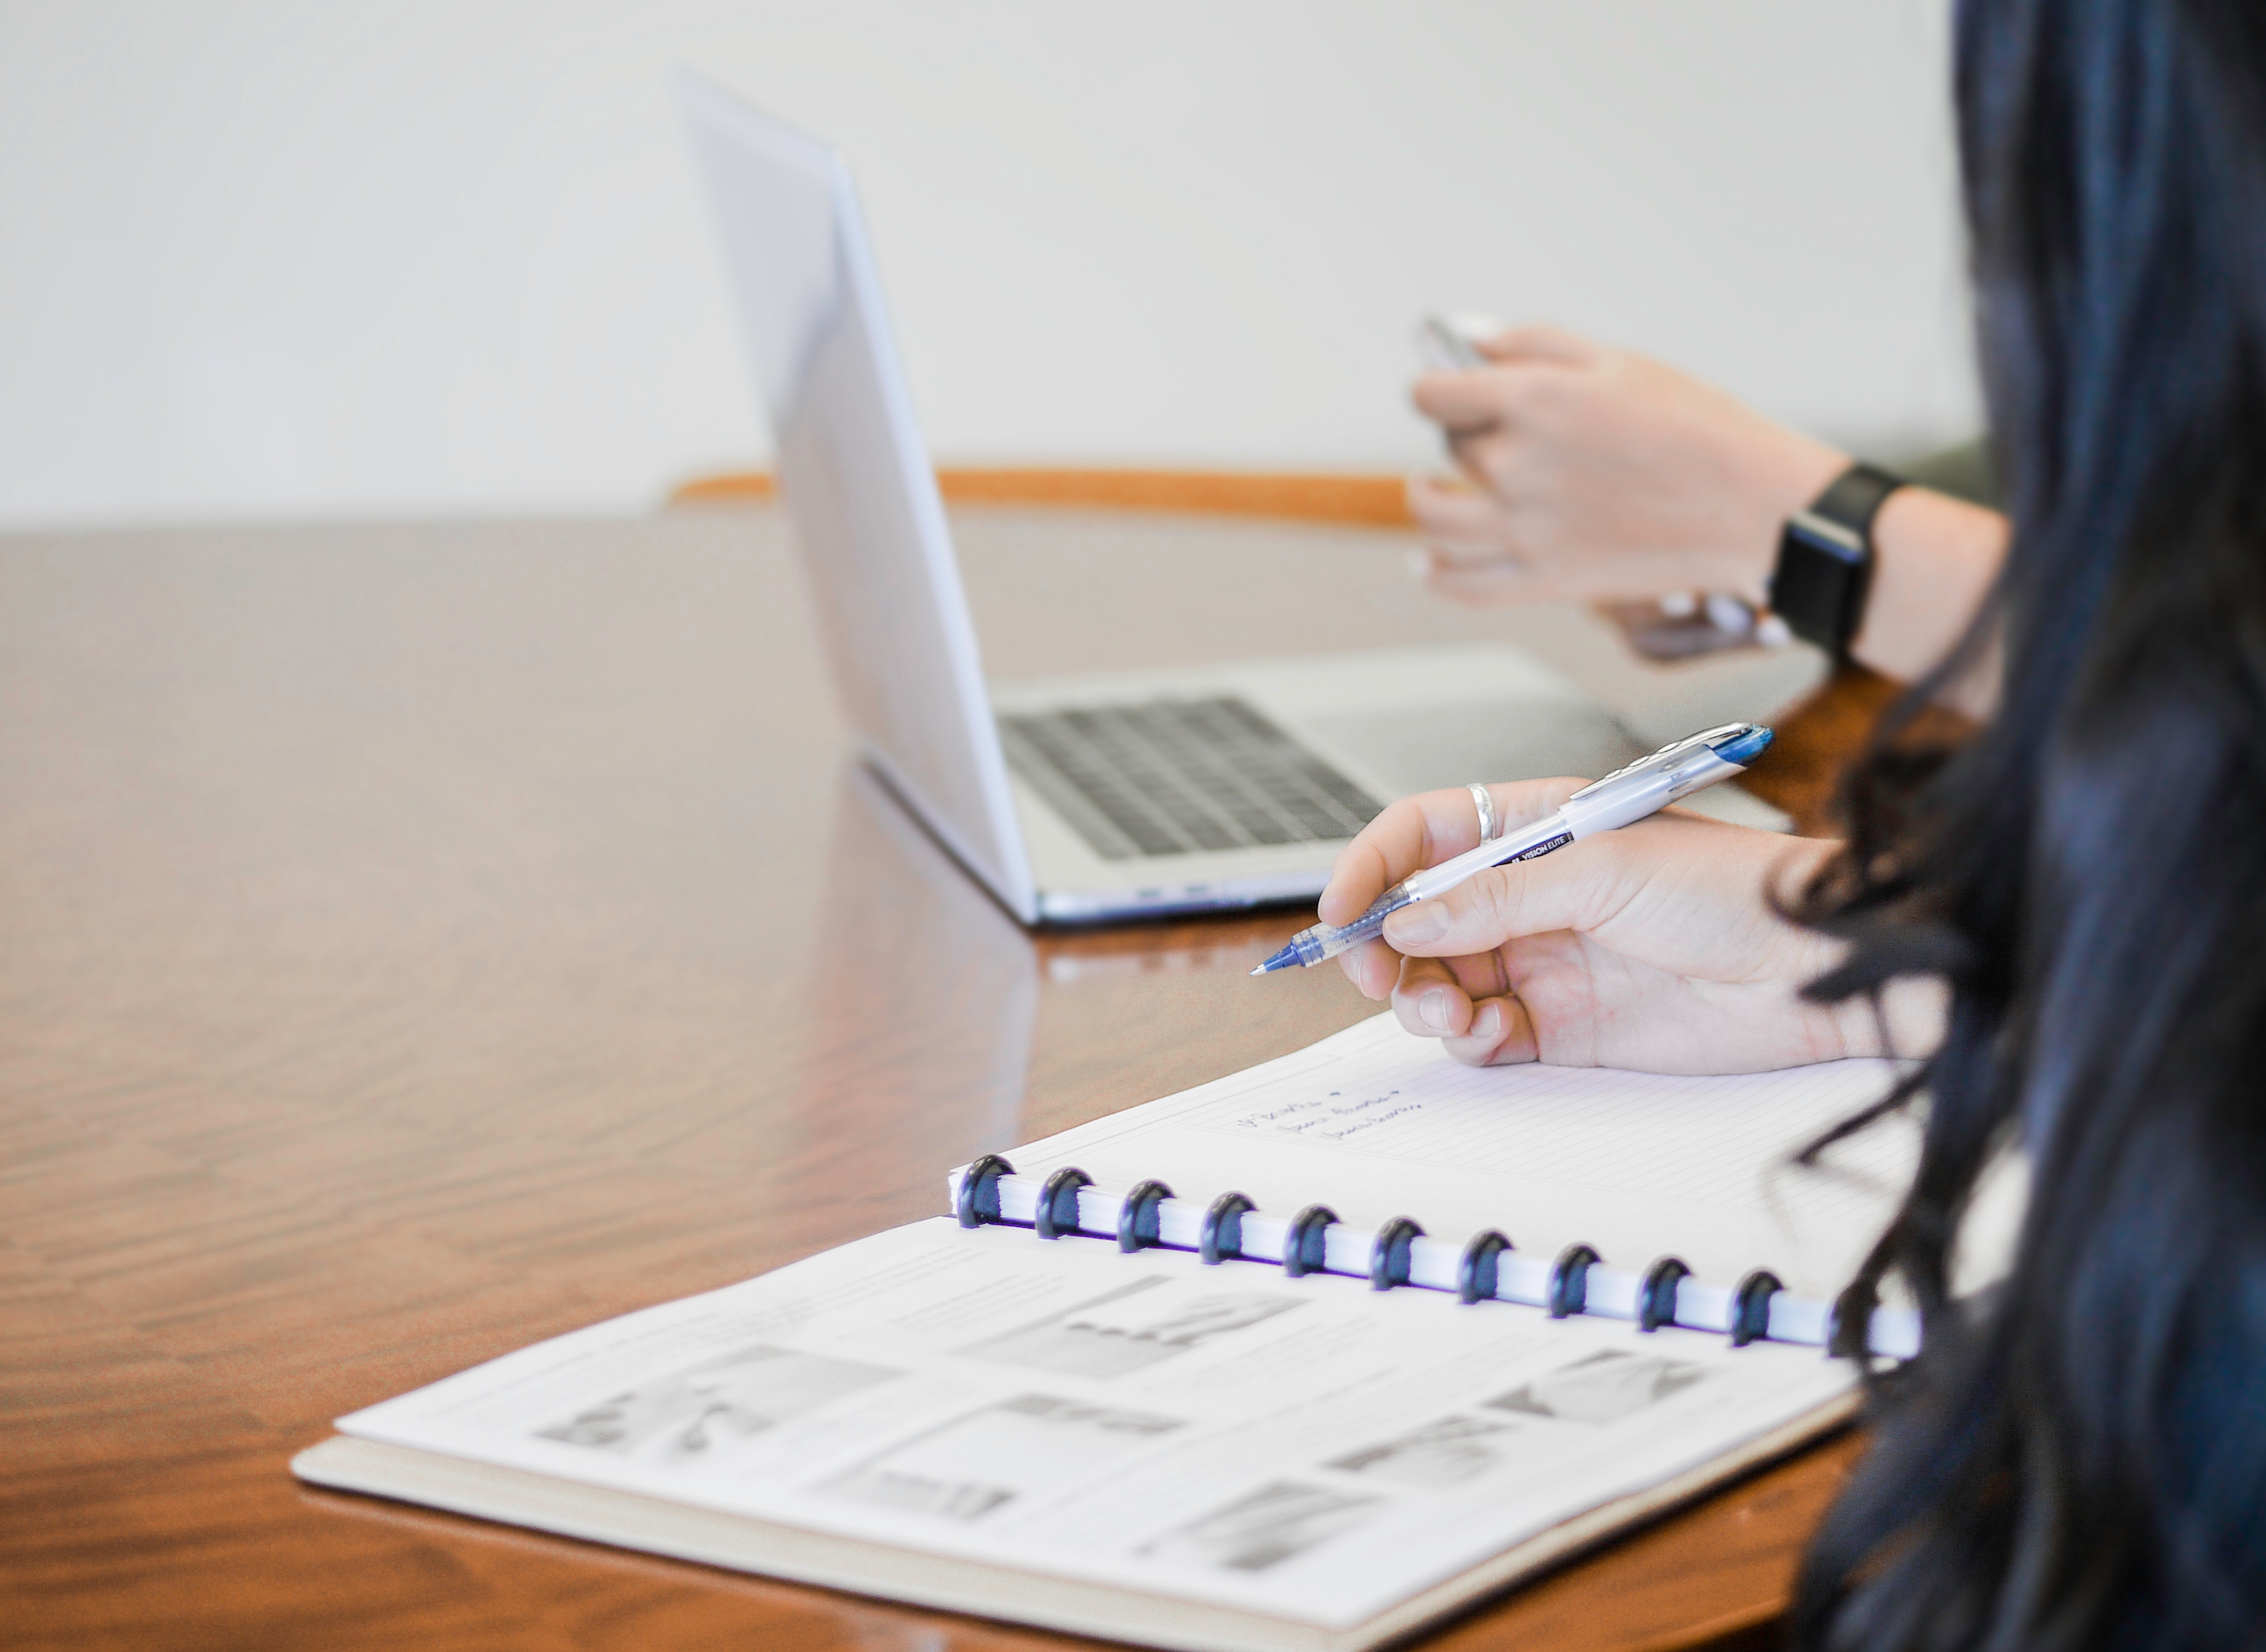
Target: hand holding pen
<point>1628,795</point>
<point>1655,946</point>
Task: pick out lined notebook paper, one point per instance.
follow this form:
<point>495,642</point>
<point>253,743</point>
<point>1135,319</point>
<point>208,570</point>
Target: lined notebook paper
<point>1377,1123</point>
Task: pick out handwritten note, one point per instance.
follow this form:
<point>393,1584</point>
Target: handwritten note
<point>1330,1117</point>
<point>1377,1123</point>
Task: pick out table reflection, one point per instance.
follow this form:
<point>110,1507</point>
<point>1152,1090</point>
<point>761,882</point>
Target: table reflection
<point>922,999</point>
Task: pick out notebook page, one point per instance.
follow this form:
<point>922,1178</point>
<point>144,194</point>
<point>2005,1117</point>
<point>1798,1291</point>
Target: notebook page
<point>1309,1449</point>
<point>1377,1123</point>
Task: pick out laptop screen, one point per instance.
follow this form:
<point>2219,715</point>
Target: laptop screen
<point>856,479</point>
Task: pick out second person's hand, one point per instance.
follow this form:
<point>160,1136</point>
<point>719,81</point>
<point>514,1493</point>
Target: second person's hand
<point>1591,471</point>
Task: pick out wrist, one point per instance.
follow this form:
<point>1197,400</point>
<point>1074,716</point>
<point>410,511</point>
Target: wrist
<point>1934,560</point>
<point>1905,1023</point>
<point>1787,475</point>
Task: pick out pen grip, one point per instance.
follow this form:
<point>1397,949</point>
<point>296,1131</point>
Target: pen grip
<point>1368,927</point>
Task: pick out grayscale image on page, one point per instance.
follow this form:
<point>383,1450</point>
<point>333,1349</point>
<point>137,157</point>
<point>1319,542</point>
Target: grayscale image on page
<point>732,1396</point>
<point>974,1464</point>
<point>1133,1327</point>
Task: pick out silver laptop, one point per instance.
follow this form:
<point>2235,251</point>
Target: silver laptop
<point>1087,799</point>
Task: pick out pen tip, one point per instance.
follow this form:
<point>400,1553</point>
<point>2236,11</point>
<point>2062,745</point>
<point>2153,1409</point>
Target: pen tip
<point>1260,970</point>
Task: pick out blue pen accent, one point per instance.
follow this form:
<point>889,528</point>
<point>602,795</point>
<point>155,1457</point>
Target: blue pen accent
<point>1744,748</point>
<point>1311,947</point>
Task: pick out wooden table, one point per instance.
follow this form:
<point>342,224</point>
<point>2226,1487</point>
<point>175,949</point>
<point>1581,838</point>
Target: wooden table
<point>415,941</point>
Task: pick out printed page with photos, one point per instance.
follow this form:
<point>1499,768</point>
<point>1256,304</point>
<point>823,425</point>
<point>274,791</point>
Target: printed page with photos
<point>1377,1123</point>
<point>1307,1449</point>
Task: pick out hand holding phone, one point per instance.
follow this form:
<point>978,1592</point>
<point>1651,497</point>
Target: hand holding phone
<point>1450,344</point>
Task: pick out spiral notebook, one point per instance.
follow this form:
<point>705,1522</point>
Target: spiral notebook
<point>1303,1359</point>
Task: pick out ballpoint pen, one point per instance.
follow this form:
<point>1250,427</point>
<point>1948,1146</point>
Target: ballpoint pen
<point>1623,797</point>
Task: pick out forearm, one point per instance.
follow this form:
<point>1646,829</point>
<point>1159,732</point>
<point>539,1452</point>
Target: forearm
<point>1934,558</point>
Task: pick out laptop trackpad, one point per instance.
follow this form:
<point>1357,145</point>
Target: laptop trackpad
<point>1412,749</point>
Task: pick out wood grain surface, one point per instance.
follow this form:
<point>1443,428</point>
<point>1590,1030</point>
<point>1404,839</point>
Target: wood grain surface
<point>415,941</point>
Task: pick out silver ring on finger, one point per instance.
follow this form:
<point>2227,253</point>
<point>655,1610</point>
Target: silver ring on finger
<point>1489,828</point>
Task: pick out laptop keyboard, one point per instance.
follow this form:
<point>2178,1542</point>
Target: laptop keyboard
<point>1177,777</point>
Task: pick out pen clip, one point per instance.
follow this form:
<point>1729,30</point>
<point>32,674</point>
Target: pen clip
<point>1673,749</point>
<point>1665,757</point>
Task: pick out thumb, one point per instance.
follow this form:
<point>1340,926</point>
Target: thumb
<point>1539,343</point>
<point>1578,887</point>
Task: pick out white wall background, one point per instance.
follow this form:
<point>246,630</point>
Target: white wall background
<point>264,258</point>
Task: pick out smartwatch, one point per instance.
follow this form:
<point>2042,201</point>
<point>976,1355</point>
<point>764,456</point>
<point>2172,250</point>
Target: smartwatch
<point>1825,560</point>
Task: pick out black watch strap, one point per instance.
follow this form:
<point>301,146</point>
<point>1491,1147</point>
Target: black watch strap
<point>1825,560</point>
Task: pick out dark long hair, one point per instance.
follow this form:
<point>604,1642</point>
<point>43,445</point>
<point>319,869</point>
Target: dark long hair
<point>2079,1461</point>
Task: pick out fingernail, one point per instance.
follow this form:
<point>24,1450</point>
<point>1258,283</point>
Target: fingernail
<point>1414,925</point>
<point>1488,1022</point>
<point>1432,1009</point>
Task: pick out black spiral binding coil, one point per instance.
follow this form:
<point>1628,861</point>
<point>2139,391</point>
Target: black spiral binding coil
<point>1847,1325</point>
<point>1655,1297</point>
<point>1306,1250</point>
<point>1222,1233</point>
<point>1388,1253</point>
<point>1136,1217</point>
<point>1306,1246</point>
<point>978,1201</point>
<point>1058,1211</point>
<point>1751,1306</point>
<point>1570,1280</point>
<point>1475,1269</point>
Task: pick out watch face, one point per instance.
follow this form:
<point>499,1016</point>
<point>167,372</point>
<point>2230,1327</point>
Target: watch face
<point>1820,584</point>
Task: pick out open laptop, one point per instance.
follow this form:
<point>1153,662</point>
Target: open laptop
<point>1079,800</point>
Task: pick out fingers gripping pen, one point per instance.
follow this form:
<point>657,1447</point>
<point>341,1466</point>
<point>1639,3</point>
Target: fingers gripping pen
<point>1626,795</point>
